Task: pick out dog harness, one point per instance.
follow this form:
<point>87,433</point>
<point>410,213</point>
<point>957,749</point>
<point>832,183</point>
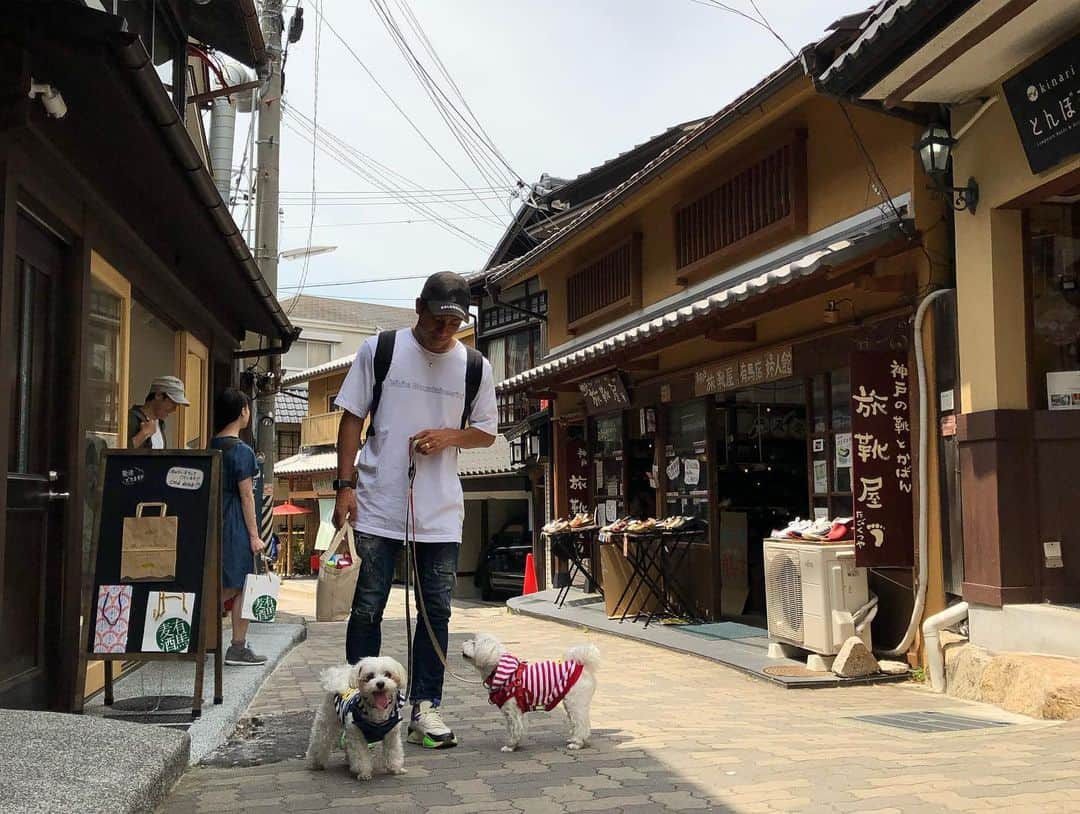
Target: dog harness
<point>350,708</point>
<point>534,686</point>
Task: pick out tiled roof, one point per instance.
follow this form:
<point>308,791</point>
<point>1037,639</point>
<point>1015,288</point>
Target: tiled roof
<point>288,408</point>
<point>880,19</point>
<point>347,312</point>
<point>307,462</point>
<point>494,460</point>
<point>334,365</point>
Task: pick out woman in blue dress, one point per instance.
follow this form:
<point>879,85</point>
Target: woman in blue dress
<point>240,540</point>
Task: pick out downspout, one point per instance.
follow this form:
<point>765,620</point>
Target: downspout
<point>222,136</point>
<point>931,630</point>
<point>924,507</point>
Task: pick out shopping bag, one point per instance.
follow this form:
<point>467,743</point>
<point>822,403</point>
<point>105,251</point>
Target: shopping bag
<point>336,586</point>
<point>148,546</point>
<point>260,594</point>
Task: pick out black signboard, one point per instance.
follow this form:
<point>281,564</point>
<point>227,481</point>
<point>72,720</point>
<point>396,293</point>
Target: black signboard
<point>154,588</point>
<point>882,459</point>
<point>606,392</point>
<point>1045,102</point>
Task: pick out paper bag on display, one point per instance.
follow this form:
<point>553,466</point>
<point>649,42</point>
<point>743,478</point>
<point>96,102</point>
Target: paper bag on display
<point>336,586</point>
<point>167,628</point>
<point>260,594</point>
<point>148,546</point>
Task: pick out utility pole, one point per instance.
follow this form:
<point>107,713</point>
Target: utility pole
<point>266,240</point>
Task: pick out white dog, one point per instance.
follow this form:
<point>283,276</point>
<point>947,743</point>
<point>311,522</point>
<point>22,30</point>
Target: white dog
<point>517,687</point>
<point>364,701</point>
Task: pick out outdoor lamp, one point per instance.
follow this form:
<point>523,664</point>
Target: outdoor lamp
<point>935,152</point>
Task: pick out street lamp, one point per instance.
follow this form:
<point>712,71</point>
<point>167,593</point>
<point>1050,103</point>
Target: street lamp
<point>305,251</point>
<point>935,152</point>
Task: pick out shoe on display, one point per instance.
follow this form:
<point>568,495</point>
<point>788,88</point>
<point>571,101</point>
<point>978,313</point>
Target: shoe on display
<point>427,728</point>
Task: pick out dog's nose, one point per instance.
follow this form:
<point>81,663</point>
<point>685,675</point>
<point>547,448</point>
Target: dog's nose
<point>380,684</point>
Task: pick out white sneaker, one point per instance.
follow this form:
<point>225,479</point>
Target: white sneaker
<point>427,728</point>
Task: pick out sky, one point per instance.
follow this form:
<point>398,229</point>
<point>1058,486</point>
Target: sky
<point>558,86</point>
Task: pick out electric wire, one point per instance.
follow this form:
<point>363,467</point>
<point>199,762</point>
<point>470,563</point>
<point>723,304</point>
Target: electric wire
<point>381,222</point>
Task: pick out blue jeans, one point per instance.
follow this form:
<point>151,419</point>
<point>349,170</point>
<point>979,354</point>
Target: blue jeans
<point>437,566</point>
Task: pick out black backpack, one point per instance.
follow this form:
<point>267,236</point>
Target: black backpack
<point>384,354</point>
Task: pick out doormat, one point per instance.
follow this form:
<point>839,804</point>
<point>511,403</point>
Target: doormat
<point>152,703</point>
<point>927,722</point>
<point>794,671</point>
<point>725,630</point>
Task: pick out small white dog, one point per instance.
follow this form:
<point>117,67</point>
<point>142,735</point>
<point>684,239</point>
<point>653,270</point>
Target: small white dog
<point>364,701</point>
<point>516,687</point>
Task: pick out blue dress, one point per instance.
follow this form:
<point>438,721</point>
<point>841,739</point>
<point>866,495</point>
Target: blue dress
<point>238,463</point>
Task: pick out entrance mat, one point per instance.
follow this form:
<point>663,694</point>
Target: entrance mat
<point>794,671</point>
<point>927,722</point>
<point>725,630</point>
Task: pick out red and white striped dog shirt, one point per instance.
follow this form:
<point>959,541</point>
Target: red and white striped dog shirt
<point>534,686</point>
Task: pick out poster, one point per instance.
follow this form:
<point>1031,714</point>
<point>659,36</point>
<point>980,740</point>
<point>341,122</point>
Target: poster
<point>674,469</point>
<point>821,477</point>
<point>691,471</point>
<point>600,515</point>
<point>882,459</point>
<point>611,510</point>
<point>842,440</point>
<point>1063,390</point>
<point>168,622</point>
<point>113,615</point>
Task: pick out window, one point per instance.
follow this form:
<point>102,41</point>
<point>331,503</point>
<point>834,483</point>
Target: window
<point>307,353</point>
<point>526,295</point>
<point>830,443</point>
<point>765,196</point>
<point>605,286</point>
<point>288,443</point>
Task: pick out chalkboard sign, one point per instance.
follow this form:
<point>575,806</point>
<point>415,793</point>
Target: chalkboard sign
<point>605,392</point>
<point>154,589</point>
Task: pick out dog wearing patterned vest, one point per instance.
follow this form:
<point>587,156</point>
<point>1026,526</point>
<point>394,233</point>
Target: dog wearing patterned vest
<point>517,687</point>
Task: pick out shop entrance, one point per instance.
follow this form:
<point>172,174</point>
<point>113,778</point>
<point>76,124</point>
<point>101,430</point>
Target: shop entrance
<point>31,563</point>
<point>761,469</point>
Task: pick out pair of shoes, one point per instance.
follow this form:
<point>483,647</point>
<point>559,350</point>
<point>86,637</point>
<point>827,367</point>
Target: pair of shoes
<point>240,655</point>
<point>427,728</point>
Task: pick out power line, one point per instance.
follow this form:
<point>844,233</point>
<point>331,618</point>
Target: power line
<point>382,222</point>
<point>361,282</point>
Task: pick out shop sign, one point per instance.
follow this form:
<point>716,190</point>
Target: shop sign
<point>882,459</point>
<point>606,392</point>
<point>577,475</point>
<point>744,371</point>
<point>1044,99</point>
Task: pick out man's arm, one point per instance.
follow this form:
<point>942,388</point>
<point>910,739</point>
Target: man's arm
<point>247,503</point>
<point>348,444</point>
<point>430,442</point>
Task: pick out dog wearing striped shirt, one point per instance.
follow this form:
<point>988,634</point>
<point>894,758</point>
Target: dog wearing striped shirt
<point>517,687</point>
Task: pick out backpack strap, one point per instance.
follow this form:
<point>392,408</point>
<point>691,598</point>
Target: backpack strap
<point>384,354</point>
<point>474,371</point>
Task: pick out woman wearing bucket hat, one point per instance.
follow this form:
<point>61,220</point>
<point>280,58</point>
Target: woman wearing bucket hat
<point>146,427</point>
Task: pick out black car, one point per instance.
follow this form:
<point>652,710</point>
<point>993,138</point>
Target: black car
<point>501,570</point>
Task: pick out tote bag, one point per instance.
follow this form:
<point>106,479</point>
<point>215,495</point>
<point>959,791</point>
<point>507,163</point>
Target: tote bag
<point>260,594</point>
<point>334,592</point>
<point>148,549</point>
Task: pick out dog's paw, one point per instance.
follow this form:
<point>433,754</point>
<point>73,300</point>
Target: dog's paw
<point>574,745</point>
<point>509,748</point>
<point>363,775</point>
<point>397,770</point>
<point>315,765</point>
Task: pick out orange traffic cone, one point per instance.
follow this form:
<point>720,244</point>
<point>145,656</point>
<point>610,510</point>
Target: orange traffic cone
<point>530,576</point>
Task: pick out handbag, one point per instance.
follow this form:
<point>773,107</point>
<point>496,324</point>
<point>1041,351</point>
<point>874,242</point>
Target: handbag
<point>336,586</point>
<point>149,545</point>
<point>260,594</point>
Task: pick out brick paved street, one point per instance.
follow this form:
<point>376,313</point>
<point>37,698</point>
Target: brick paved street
<point>671,733</point>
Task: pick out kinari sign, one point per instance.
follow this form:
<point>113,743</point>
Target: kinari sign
<point>1045,102</point>
<point>745,371</point>
<point>882,459</point>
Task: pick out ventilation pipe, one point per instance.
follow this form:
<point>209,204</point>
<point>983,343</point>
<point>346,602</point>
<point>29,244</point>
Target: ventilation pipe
<point>222,135</point>
<point>924,500</point>
<point>931,632</point>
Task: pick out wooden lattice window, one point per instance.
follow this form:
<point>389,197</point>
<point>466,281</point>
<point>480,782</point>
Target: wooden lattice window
<point>605,286</point>
<point>760,199</point>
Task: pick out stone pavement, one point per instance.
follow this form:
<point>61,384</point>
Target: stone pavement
<point>672,732</point>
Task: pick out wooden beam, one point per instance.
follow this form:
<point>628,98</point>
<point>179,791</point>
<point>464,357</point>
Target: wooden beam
<point>644,363</point>
<point>199,98</point>
<point>976,35</point>
<point>892,283</point>
<point>741,333</point>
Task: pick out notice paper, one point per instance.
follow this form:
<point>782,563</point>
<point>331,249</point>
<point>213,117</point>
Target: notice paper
<point>691,471</point>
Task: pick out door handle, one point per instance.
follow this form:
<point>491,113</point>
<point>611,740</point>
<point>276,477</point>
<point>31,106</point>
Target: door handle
<point>51,495</point>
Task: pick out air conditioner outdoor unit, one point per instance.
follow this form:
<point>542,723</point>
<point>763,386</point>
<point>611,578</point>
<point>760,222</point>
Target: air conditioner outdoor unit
<point>812,591</point>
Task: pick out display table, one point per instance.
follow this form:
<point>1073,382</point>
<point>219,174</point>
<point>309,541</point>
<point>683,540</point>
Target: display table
<point>654,558</point>
<point>578,546</point>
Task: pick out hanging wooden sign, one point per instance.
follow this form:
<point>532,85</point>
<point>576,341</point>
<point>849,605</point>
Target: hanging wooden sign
<point>760,367</point>
<point>605,392</point>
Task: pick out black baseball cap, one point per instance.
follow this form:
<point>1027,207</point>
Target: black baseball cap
<point>446,294</point>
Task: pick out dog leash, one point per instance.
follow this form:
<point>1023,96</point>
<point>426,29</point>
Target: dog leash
<point>413,570</point>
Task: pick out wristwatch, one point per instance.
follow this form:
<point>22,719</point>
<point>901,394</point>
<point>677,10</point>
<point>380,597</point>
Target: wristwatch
<point>344,483</point>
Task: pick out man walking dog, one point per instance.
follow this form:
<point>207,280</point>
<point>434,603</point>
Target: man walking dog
<point>422,390</point>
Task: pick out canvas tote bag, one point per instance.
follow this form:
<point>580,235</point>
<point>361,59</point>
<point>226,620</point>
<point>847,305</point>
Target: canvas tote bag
<point>336,586</point>
<point>148,545</point>
<point>260,594</point>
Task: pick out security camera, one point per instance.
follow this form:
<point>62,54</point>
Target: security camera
<point>50,98</point>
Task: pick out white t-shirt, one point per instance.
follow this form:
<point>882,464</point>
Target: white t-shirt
<point>422,391</point>
<point>157,440</point>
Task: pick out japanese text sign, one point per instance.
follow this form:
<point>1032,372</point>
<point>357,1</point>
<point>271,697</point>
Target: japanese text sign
<point>1045,102</point>
<point>577,476</point>
<point>606,392</point>
<point>882,459</point>
<point>745,371</point>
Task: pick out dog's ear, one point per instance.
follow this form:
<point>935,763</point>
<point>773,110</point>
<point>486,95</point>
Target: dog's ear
<point>400,677</point>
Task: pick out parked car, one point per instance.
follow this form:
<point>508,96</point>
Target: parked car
<point>501,570</point>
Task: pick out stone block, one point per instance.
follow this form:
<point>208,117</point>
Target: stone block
<point>893,668</point>
<point>855,660</point>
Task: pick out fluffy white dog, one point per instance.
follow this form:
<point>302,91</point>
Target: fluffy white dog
<point>517,687</point>
<point>364,701</point>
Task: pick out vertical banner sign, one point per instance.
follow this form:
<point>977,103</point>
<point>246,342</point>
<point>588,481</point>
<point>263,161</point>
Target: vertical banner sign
<point>577,475</point>
<point>882,459</point>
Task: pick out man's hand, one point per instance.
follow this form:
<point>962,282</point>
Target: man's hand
<point>146,430</point>
<point>257,543</point>
<point>344,507</point>
<point>432,442</point>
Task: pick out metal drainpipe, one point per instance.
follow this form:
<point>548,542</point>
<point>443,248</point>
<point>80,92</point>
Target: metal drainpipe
<point>222,136</point>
